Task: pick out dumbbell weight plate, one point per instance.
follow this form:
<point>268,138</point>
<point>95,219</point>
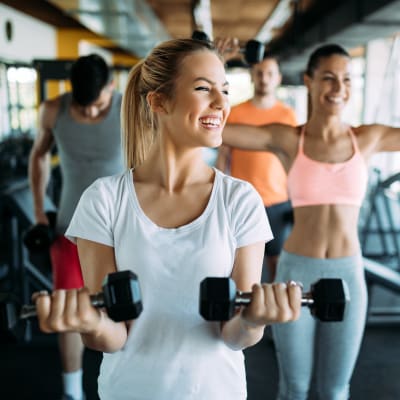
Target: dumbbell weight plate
<point>39,237</point>
<point>254,51</point>
<point>218,298</point>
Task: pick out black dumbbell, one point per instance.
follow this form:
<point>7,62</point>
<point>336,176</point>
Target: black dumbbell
<point>121,297</point>
<point>200,35</point>
<point>326,299</point>
<point>253,50</point>
<point>39,237</point>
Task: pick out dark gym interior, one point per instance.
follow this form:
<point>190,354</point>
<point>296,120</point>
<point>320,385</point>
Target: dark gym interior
<point>125,31</point>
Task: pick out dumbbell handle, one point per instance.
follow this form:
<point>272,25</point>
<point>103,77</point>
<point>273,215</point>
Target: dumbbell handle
<point>244,298</point>
<point>29,310</point>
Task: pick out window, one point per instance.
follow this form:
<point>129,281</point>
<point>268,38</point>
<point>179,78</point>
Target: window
<point>18,100</point>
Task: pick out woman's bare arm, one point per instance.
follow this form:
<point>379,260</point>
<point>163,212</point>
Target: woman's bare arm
<point>389,138</point>
<point>223,159</point>
<point>270,302</point>
<point>275,138</point>
<point>72,311</point>
<point>97,261</point>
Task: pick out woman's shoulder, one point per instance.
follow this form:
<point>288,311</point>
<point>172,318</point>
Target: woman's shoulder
<point>368,135</point>
<point>235,188</point>
<point>109,184</point>
<point>230,182</point>
<point>244,209</point>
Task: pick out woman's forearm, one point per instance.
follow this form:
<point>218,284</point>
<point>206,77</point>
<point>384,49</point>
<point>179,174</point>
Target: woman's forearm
<point>109,336</point>
<point>248,137</point>
<point>238,334</point>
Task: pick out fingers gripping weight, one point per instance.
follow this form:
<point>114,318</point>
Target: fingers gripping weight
<point>253,50</point>
<point>326,299</point>
<point>121,297</point>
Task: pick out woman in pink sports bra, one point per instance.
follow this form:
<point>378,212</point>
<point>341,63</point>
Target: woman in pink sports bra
<point>326,161</point>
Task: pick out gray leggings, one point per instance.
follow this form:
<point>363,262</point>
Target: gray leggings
<point>323,351</point>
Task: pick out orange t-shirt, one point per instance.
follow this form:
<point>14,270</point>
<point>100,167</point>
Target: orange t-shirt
<point>261,168</point>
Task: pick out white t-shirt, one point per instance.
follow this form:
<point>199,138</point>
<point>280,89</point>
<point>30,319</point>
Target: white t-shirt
<point>171,351</point>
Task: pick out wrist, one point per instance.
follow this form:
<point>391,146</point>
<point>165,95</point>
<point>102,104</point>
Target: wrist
<point>97,326</point>
<point>249,326</point>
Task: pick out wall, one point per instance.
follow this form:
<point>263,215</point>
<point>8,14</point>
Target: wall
<point>382,95</point>
<point>30,38</point>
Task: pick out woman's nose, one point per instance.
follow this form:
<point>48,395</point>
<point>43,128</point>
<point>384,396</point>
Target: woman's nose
<point>219,100</point>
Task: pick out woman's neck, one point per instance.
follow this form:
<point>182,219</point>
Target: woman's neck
<point>327,127</point>
<point>173,170</point>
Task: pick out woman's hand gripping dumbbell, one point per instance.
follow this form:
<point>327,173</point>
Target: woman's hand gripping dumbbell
<point>121,298</point>
<point>75,310</point>
<point>219,298</point>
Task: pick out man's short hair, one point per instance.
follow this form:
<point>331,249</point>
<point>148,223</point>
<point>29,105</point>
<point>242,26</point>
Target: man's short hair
<point>89,75</point>
<point>271,56</point>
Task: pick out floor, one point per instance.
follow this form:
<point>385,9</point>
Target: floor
<point>30,371</point>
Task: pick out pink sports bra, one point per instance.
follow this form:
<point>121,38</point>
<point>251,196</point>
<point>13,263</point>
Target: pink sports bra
<point>312,182</point>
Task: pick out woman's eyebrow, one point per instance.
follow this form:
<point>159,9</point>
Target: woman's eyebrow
<point>201,78</point>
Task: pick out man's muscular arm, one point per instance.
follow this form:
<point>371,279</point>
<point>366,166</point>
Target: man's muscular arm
<point>39,158</point>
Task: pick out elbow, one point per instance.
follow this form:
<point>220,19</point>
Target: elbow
<point>108,340</point>
<point>243,341</point>
<point>242,345</point>
<point>102,347</point>
<point>235,346</point>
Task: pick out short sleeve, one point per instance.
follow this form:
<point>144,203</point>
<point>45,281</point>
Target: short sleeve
<point>92,219</point>
<point>249,217</point>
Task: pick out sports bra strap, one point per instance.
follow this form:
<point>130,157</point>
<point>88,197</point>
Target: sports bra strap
<point>352,136</point>
<point>354,140</point>
<point>313,182</point>
<point>301,139</point>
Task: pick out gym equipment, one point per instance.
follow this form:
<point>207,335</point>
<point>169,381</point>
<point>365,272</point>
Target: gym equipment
<point>387,278</point>
<point>218,298</point>
<point>14,157</point>
<point>26,274</point>
<point>380,225</point>
<point>121,297</point>
<point>253,50</point>
<point>39,237</point>
<point>377,273</point>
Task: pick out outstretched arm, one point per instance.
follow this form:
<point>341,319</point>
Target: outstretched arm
<point>389,138</point>
<point>272,137</point>
<point>377,138</point>
<point>223,159</point>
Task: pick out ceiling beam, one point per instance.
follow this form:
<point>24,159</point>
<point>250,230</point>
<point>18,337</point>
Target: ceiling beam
<point>278,18</point>
<point>202,20</point>
<point>132,25</point>
<point>350,23</point>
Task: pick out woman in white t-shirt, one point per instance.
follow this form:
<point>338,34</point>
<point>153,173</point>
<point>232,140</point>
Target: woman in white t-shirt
<point>173,220</point>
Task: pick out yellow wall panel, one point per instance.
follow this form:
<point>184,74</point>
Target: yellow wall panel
<point>68,41</point>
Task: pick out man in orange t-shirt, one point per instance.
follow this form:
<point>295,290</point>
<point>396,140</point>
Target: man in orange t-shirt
<point>261,168</point>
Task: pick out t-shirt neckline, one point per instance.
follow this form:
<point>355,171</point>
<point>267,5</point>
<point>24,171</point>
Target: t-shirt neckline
<point>183,228</point>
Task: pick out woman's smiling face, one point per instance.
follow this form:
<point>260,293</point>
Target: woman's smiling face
<point>197,111</point>
<point>330,84</point>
